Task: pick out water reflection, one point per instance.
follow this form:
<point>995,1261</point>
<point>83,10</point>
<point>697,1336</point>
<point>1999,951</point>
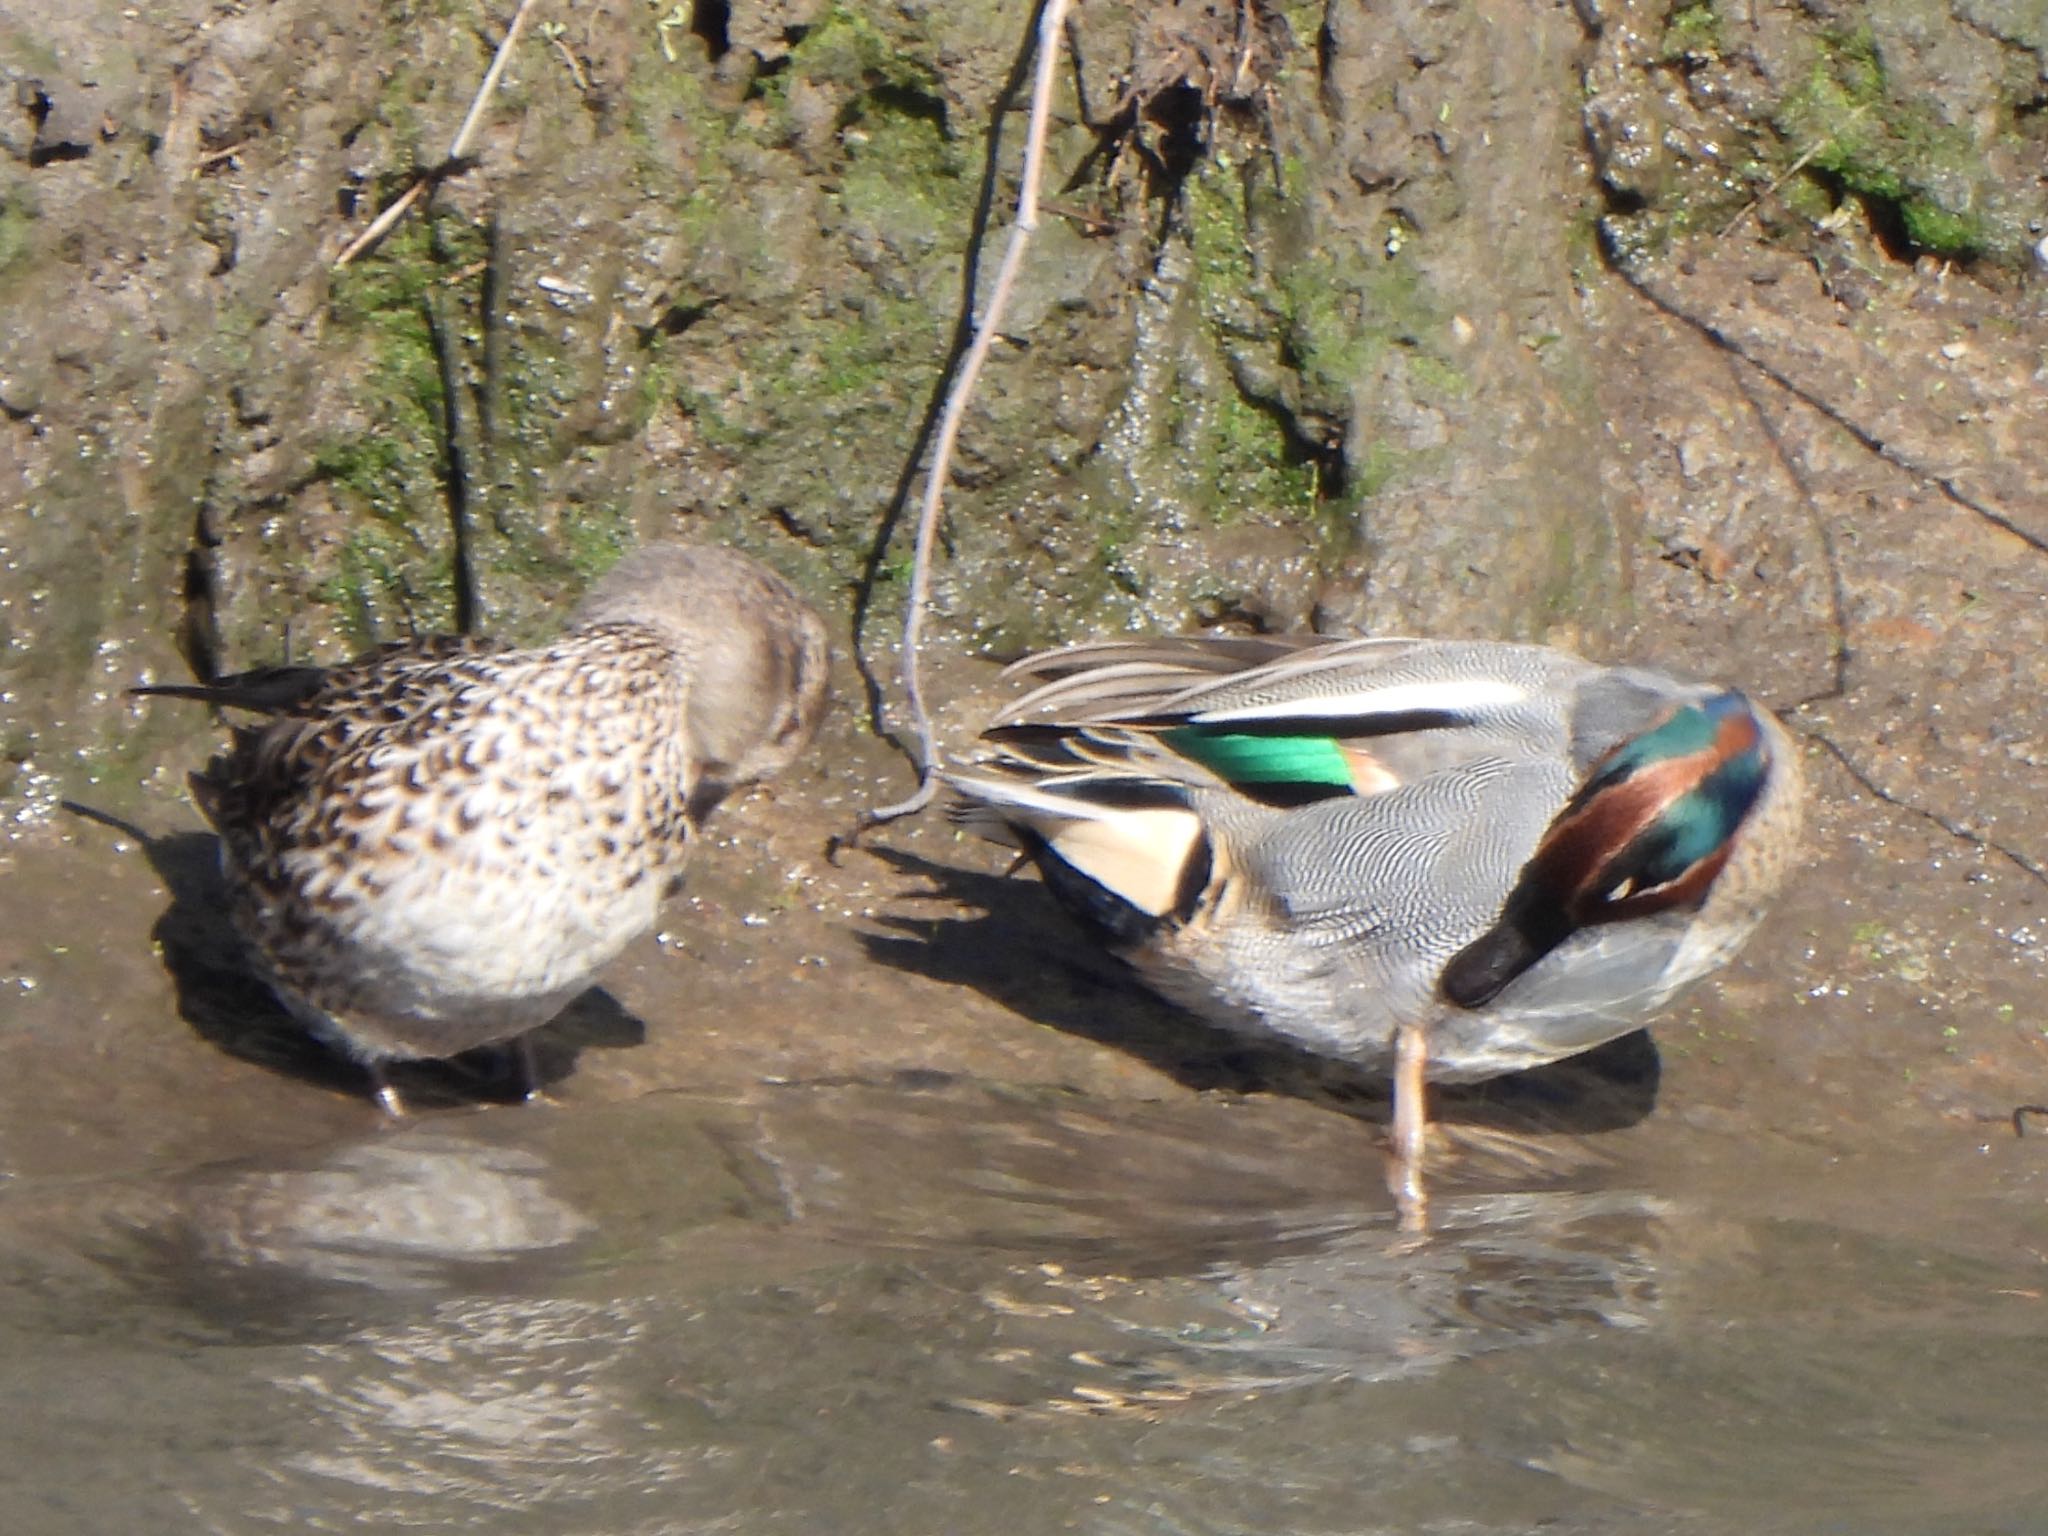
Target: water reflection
<point>1361,1305</point>
<point>499,1406</point>
<point>929,1305</point>
<point>408,1211</point>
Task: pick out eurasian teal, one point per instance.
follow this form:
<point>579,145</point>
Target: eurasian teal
<point>438,845</point>
<point>1455,858</point>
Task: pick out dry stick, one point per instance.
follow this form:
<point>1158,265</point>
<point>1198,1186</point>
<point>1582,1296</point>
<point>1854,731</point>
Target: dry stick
<point>575,69</point>
<point>1050,22</point>
<point>460,143</point>
<point>1789,172</point>
<point>380,225</point>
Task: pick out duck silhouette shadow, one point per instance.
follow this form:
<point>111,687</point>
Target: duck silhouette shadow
<point>1020,950</point>
<point>227,1004</point>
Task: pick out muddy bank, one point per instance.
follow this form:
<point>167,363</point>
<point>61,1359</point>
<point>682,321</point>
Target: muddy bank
<point>868,1198</point>
<point>1713,340</point>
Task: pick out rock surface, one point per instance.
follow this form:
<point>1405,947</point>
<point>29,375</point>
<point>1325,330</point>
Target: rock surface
<point>1706,337</point>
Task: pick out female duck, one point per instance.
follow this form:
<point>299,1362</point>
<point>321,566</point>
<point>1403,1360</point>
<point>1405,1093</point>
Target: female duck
<point>437,846</point>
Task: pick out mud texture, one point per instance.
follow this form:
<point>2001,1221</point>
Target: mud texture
<point>1711,336</point>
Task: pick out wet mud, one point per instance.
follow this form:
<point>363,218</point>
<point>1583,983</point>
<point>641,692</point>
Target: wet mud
<point>864,1195</point>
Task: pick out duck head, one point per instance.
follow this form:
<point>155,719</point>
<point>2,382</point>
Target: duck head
<point>755,652</point>
<point>1648,832</point>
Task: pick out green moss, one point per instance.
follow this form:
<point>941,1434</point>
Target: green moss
<point>1332,336</point>
<point>1845,119</point>
<point>1276,312</point>
<point>1855,133</point>
<point>1244,461</point>
<point>656,384</point>
<point>393,572</point>
<point>903,175</point>
<point>398,103</point>
<point>382,587</point>
<point>365,466</point>
<point>858,356</point>
<point>1335,315</point>
<point>1934,228</point>
<point>851,370</point>
<point>1377,468</point>
<point>1290,178</point>
<point>594,544</point>
<point>1114,537</point>
<point>393,471</point>
<point>660,92</point>
<point>1693,32</point>
<point>1221,241</point>
<point>1437,377</point>
<point>1804,196</point>
<point>390,476</point>
<point>845,48</point>
<point>715,425</point>
<point>851,364</point>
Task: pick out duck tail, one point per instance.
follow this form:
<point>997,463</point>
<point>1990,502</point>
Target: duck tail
<point>1120,851</point>
<point>265,691</point>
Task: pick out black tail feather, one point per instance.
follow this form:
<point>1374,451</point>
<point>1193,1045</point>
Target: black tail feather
<point>267,690</point>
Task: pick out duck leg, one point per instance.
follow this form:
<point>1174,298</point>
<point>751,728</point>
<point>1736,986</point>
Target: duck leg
<point>1411,1127</point>
<point>526,1067</point>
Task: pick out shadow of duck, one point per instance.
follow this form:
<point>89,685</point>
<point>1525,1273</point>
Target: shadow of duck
<point>1017,948</point>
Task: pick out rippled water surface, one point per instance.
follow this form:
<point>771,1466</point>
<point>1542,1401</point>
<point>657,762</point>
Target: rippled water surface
<point>929,1305</point>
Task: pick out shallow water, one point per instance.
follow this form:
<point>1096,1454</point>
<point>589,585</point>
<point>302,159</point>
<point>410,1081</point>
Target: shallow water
<point>886,1210</point>
<point>927,1304</point>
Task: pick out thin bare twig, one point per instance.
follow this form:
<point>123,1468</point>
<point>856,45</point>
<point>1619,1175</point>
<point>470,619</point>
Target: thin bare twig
<point>382,223</point>
<point>1788,173</point>
<point>457,146</point>
<point>1050,23</point>
<point>569,58</point>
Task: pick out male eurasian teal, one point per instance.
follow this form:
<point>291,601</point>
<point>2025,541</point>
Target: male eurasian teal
<point>438,845</point>
<point>1476,857</point>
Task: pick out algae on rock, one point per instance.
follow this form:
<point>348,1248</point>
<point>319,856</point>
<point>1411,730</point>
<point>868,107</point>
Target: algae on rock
<point>1305,335</point>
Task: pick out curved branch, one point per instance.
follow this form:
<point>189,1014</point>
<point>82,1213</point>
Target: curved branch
<point>1051,20</point>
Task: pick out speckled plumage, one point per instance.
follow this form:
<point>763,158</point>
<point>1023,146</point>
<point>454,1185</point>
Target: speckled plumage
<point>438,845</point>
<point>1491,845</point>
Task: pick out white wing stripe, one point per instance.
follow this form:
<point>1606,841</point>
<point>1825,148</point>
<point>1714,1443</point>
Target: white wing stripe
<point>1467,696</point>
